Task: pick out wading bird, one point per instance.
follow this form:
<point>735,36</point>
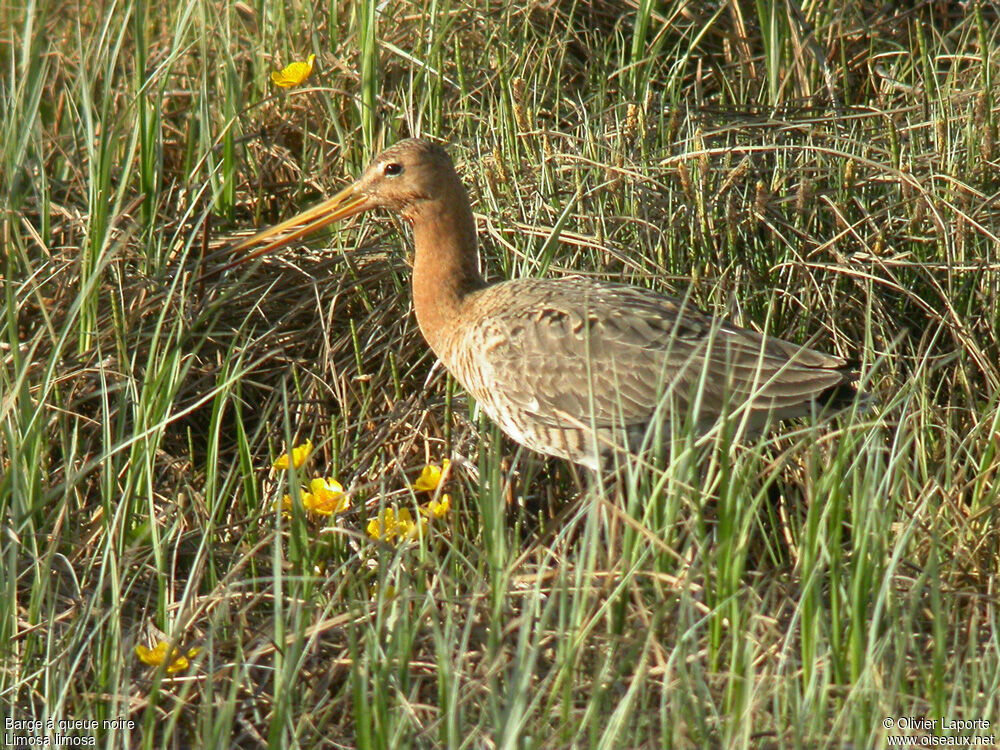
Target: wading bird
<point>574,368</point>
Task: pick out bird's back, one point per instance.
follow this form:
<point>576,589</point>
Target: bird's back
<point>551,360</point>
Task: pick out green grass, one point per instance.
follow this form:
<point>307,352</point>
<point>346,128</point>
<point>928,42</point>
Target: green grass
<point>829,174</point>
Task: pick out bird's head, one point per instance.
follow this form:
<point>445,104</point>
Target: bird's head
<point>403,178</point>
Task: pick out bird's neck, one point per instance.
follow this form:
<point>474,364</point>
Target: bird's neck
<point>445,264</point>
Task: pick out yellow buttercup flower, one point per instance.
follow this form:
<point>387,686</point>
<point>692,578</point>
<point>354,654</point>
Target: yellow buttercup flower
<point>437,508</point>
<point>407,528</point>
<point>157,655</point>
<point>430,477</point>
<point>393,526</point>
<point>298,457</point>
<point>325,497</point>
<point>293,74</point>
<point>286,503</point>
<point>383,527</point>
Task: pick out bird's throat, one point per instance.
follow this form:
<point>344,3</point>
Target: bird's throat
<point>445,266</point>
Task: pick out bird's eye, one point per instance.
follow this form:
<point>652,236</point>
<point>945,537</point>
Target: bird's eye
<point>392,169</point>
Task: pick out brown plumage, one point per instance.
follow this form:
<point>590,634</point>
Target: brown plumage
<point>570,367</point>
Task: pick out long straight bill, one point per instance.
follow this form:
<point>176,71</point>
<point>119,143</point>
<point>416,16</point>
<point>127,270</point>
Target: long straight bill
<point>346,203</point>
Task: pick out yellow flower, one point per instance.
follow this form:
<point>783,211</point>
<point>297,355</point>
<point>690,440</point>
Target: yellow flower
<point>155,656</point>
<point>430,477</point>
<point>286,503</point>
<point>407,528</point>
<point>383,526</point>
<point>325,497</point>
<point>299,455</point>
<point>437,508</point>
<point>293,74</point>
<point>393,525</point>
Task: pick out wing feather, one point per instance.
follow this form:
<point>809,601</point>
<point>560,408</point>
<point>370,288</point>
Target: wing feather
<point>610,352</point>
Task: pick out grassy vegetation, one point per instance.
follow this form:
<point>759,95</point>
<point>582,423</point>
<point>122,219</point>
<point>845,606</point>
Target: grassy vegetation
<point>826,170</point>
